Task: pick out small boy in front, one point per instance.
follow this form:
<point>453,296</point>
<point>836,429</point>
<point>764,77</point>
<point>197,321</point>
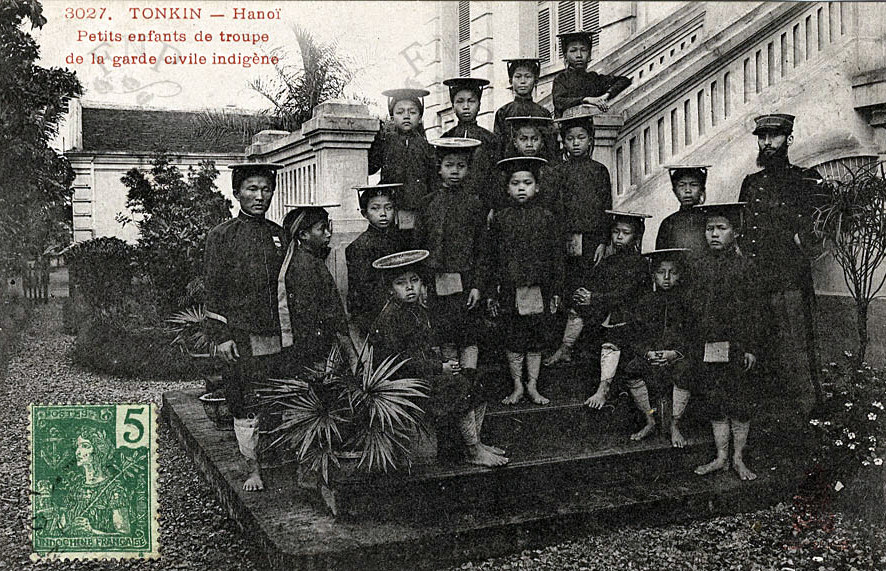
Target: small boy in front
<point>404,329</point>
<point>583,195</point>
<point>686,227</point>
<point>575,85</point>
<point>523,74</point>
<point>402,153</point>
<point>604,296</point>
<point>452,227</point>
<point>365,286</point>
<point>466,93</point>
<point>529,141</point>
<point>727,317</point>
<point>662,331</point>
<point>527,273</point>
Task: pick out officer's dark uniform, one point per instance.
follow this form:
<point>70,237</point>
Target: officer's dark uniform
<point>242,260</point>
<point>779,204</point>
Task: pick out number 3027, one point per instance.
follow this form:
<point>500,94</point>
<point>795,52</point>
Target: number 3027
<point>85,13</point>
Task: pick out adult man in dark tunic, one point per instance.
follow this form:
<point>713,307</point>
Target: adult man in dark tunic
<point>242,260</point>
<point>780,199</point>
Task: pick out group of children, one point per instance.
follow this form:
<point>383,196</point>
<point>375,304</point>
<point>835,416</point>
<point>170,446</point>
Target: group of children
<point>509,226</point>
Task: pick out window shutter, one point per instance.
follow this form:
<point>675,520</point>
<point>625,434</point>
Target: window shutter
<point>464,21</point>
<point>590,21</point>
<point>544,36</point>
<point>565,20</point>
<point>464,61</point>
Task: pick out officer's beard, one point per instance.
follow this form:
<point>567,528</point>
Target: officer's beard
<point>773,160</point>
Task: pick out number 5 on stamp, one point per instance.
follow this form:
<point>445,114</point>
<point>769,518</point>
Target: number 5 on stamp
<point>94,481</point>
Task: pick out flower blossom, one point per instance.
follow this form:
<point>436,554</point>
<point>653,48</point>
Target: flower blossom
<point>872,416</point>
<point>878,461</point>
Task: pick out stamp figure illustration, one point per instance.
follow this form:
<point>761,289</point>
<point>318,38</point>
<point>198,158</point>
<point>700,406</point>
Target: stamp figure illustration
<point>94,481</point>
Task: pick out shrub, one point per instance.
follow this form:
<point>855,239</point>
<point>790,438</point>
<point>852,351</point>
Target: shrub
<point>101,271</point>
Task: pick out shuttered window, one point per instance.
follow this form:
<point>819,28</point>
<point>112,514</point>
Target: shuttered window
<point>544,36</point>
<point>590,21</point>
<point>464,61</point>
<point>565,21</point>
<point>464,39</point>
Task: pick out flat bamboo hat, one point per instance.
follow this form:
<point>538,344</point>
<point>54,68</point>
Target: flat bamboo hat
<point>400,260</point>
<point>256,165</point>
<point>461,145</point>
<point>517,164</point>
<point>456,84</point>
<point>534,65</point>
<point>581,35</point>
<point>667,255</point>
<point>407,93</point>
<point>732,211</point>
<point>676,171</point>
<point>578,116</point>
<point>368,191</point>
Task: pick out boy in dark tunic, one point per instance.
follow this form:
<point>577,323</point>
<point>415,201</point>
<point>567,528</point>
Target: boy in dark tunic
<point>576,85</point>
<point>724,297</point>
<point>312,316</point>
<point>602,296</point>
<point>527,273</point>
<point>452,227</point>
<point>401,150</point>
<point>662,331</point>
<point>366,287</point>
<point>523,74</point>
<point>404,329</point>
<point>686,227</point>
<point>465,93</point>
<point>243,257</point>
<point>528,141</point>
<point>583,193</point>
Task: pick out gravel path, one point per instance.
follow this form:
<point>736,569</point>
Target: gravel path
<point>196,533</point>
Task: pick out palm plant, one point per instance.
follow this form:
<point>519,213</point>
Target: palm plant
<point>190,334</point>
<point>326,413</point>
<point>852,225</point>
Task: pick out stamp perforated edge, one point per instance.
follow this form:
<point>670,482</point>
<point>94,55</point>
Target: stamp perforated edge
<point>153,503</point>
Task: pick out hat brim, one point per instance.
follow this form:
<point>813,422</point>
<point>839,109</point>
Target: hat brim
<point>272,166</point>
<point>303,205</point>
<point>399,260</point>
<point>530,119</point>
<point>628,214</point>
<point>455,143</point>
<point>406,93</point>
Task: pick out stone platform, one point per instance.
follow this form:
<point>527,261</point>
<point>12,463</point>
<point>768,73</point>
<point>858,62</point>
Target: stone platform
<point>572,472</point>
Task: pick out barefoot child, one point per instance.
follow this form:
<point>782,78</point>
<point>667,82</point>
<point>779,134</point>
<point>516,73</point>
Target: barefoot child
<point>661,332</point>
<point>402,153</point>
<point>243,257</point>
<point>366,288</point>
<point>686,227</point>
<point>523,75</point>
<point>527,273</point>
<point>465,94</point>
<point>583,193</point>
<point>575,85</point>
<point>603,297</point>
<point>404,328</point>
<point>724,298</point>
<point>452,227</point>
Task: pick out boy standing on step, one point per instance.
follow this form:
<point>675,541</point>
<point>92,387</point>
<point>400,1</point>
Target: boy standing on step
<point>727,318</point>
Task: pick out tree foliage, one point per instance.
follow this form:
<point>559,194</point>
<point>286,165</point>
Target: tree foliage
<point>173,213</point>
<point>852,224</point>
<point>35,182</point>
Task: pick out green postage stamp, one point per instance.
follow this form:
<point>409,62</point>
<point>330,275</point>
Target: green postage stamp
<point>94,481</point>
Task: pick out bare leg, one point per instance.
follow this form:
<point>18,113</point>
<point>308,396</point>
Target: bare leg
<point>246,432</point>
<point>533,367</point>
<point>721,440</point>
<point>681,399</point>
<point>479,416</point>
<point>739,439</point>
<point>640,394</point>
<point>563,355</point>
<point>515,365</point>
<point>609,357</point>
<point>475,452</point>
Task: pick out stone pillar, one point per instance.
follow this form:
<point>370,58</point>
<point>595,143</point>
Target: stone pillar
<point>340,134</point>
<point>606,128</point>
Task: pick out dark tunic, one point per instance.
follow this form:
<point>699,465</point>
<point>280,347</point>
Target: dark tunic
<point>452,227</point>
<point>504,132</point>
<point>404,158</point>
<point>683,229</point>
<point>780,204</point>
<point>315,309</point>
<point>404,329</point>
<point>242,260</point>
<point>662,320</point>
<point>367,289</point>
<point>725,300</point>
<point>583,190</point>
<point>614,284</point>
<point>525,251</point>
<point>482,172</point>
<point>572,85</point>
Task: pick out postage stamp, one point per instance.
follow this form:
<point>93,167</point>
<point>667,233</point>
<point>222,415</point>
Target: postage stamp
<point>94,481</point>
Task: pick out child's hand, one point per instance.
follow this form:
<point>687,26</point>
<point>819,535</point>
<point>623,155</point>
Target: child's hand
<point>598,102</point>
<point>473,298</point>
<point>555,303</point>
<point>452,367</point>
<point>749,361</point>
<point>598,253</point>
<point>492,307</point>
<point>227,352</point>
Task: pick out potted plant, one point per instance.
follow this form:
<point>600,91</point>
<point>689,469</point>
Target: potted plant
<point>329,416</point>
